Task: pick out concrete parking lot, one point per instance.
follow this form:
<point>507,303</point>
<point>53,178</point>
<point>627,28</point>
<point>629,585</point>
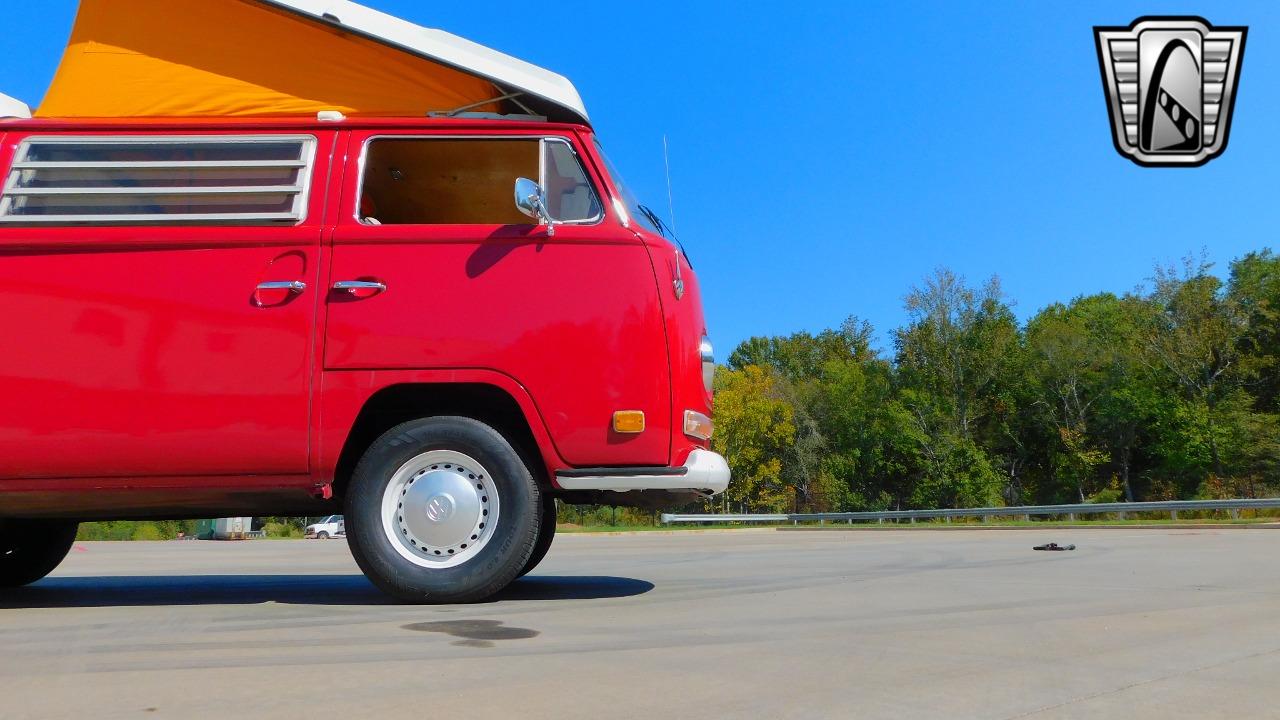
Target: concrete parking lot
<point>751,624</point>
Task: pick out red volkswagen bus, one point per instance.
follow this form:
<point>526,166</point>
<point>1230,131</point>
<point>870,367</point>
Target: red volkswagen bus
<point>433,319</point>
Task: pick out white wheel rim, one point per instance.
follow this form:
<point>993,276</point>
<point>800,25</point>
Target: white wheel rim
<point>440,509</point>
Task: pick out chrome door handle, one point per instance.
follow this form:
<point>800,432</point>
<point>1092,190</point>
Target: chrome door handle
<point>355,286</point>
<point>293,286</point>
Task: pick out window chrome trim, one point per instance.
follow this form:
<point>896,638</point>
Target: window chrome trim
<point>542,180</point>
<point>201,219</point>
<point>171,190</point>
<point>620,208</point>
<point>300,190</point>
<point>364,156</point>
<point>156,164</point>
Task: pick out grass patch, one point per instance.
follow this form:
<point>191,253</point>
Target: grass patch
<point>282,531</point>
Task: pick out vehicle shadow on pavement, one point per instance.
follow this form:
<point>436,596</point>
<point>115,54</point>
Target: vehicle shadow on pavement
<point>159,590</point>
<point>572,587</point>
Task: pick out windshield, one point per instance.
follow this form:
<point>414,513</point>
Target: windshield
<point>637,211</point>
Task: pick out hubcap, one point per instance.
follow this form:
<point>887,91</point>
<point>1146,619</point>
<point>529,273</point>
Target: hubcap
<point>440,508</point>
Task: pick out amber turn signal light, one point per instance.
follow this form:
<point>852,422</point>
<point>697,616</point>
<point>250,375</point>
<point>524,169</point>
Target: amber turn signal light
<point>628,421</point>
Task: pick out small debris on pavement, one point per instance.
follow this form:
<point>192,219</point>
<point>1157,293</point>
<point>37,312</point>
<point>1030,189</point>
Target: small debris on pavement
<point>1054,546</point>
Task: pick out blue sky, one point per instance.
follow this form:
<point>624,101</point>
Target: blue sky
<point>826,156</point>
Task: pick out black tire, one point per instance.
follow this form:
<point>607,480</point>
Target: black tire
<point>322,535</point>
<point>490,568</point>
<point>31,549</point>
<point>546,534</point>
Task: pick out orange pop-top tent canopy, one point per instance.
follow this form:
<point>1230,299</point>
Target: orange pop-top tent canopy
<point>210,58</point>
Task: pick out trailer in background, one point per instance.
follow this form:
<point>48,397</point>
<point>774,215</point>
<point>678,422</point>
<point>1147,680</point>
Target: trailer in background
<point>234,528</point>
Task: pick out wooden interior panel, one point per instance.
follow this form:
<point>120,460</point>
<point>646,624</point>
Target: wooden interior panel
<point>444,181</point>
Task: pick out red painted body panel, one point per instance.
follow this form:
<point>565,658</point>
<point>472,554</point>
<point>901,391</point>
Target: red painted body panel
<point>141,380</point>
<point>574,318</point>
<point>685,328</point>
<point>345,392</point>
<point>140,352</point>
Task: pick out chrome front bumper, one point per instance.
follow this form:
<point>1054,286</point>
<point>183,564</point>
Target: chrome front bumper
<point>704,471</point>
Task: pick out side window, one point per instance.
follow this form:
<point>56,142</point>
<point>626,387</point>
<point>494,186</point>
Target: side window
<point>465,181</point>
<point>570,197</point>
<point>159,180</point>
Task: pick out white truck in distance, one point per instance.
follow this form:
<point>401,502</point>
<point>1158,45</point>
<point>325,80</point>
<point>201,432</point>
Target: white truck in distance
<point>331,526</point>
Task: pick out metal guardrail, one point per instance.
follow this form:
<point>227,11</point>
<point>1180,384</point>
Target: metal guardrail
<point>1173,507</point>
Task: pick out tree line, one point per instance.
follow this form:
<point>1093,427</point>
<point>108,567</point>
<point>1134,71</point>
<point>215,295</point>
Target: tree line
<point>1167,392</point>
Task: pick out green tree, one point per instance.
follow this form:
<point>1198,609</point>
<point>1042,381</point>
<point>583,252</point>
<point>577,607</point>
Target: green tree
<point>1081,355</point>
<point>1254,287</point>
<point>754,429</point>
<point>802,355</point>
<point>854,402</point>
<point>800,361</point>
<point>958,346</point>
<point>1197,335</point>
<point>1168,394</point>
<point>954,360</point>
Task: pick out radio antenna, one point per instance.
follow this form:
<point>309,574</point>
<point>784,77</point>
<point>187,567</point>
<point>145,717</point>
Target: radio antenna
<point>671,205</point>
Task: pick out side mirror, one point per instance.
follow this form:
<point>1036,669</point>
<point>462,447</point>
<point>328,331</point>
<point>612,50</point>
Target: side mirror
<point>532,201</point>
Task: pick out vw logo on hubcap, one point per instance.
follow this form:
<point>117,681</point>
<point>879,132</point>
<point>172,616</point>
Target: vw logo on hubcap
<point>439,508</point>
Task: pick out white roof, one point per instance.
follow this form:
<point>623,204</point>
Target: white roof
<point>13,108</point>
<point>552,94</point>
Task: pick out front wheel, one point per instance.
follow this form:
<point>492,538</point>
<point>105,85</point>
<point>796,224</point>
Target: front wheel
<point>31,549</point>
<point>322,535</point>
<point>546,533</point>
<point>442,510</point>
